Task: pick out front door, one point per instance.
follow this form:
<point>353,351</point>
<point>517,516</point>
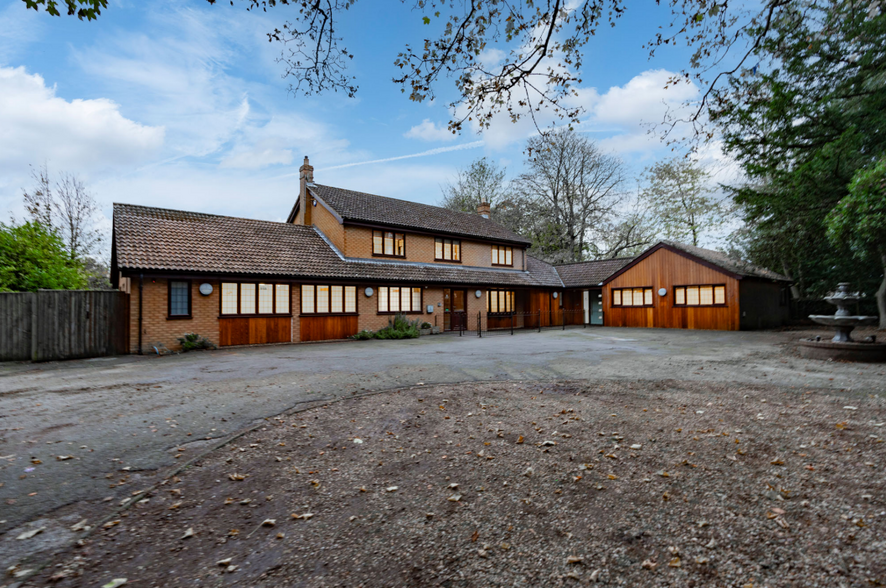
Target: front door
<point>455,309</point>
<point>596,306</point>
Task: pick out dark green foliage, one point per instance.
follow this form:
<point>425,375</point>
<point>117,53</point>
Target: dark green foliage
<point>34,257</point>
<point>363,335</point>
<point>88,9</point>
<point>426,325</point>
<point>860,217</point>
<point>801,128</point>
<point>399,327</point>
<point>193,341</point>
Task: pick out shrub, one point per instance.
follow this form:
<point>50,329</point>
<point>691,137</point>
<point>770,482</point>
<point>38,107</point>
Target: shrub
<point>426,325</point>
<point>192,341</point>
<point>399,327</point>
<point>363,335</point>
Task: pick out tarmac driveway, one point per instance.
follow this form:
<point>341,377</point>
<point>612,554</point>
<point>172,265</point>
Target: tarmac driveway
<point>102,428</point>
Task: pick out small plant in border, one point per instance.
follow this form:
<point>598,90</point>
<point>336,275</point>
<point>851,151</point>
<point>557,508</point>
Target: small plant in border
<point>363,335</point>
<point>192,341</point>
<point>399,327</point>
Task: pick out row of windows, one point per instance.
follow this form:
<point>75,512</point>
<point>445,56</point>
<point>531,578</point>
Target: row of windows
<point>708,295</point>
<point>500,301</point>
<point>632,297</point>
<point>252,298</point>
<point>391,244</point>
<point>699,295</point>
<point>394,299</point>
<point>320,299</point>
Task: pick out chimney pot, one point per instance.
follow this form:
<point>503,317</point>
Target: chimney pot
<point>483,209</point>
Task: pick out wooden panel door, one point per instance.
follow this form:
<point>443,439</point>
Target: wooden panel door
<point>325,328</point>
<point>254,331</point>
<point>455,309</point>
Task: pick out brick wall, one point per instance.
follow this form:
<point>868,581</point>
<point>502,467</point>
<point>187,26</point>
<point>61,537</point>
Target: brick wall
<point>157,328</point>
<point>328,225</point>
<point>421,248</point>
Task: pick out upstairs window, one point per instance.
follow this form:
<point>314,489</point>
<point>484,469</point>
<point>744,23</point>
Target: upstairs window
<point>326,299</point>
<point>713,295</point>
<point>632,297</point>
<point>179,299</point>
<point>502,255</point>
<point>388,244</point>
<point>447,249</point>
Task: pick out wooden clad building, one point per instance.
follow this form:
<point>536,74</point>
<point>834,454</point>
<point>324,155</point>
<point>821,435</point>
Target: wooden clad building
<point>678,286</point>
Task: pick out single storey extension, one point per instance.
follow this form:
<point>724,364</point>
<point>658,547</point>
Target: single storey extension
<point>346,261</point>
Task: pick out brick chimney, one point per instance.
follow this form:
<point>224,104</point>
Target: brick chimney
<point>306,176</point>
<point>483,209</point>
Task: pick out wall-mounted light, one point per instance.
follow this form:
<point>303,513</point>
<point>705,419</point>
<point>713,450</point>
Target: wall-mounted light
<point>206,288</point>
<point>662,291</point>
<point>313,202</point>
<point>478,293</point>
<point>368,292</point>
<point>556,294</point>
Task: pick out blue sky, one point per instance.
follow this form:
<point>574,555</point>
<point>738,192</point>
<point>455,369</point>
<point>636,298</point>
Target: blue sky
<point>181,104</point>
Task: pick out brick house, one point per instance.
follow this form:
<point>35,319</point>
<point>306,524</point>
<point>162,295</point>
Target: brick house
<point>344,261</point>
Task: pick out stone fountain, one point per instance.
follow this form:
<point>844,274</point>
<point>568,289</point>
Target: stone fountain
<point>842,346</point>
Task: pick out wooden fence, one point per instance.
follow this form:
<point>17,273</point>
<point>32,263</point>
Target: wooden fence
<point>63,324</point>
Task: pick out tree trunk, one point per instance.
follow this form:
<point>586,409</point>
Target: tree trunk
<point>881,293</point>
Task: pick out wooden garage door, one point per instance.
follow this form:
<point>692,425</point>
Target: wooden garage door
<point>323,328</point>
<point>254,331</point>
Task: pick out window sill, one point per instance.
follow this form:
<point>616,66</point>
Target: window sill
<point>394,312</point>
<point>325,314</point>
<point>180,317</point>
<point>643,306</point>
<point>701,306</point>
<point>502,265</point>
<point>447,260</point>
<point>389,256</point>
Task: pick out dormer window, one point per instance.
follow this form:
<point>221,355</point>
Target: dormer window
<point>388,244</point>
<point>502,255</point>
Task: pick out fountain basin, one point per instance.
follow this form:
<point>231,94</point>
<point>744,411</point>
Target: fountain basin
<point>831,320</point>
<point>846,351</point>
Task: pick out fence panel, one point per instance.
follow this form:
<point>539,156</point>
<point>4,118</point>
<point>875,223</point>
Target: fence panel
<point>63,324</point>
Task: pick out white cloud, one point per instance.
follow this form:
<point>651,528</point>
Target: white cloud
<point>429,131</point>
<point>37,126</point>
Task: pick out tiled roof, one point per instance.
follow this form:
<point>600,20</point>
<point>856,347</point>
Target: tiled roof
<point>381,210</point>
<point>590,273</point>
<point>159,239</point>
<point>730,264</point>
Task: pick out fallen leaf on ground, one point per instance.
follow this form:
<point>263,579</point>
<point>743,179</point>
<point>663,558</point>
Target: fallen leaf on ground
<point>31,533</point>
<point>188,533</point>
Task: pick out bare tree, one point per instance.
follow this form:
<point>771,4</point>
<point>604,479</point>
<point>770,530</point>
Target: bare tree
<point>575,187</point>
<point>40,202</point>
<point>677,192</point>
<point>632,230</point>
<point>482,181</point>
<point>68,208</point>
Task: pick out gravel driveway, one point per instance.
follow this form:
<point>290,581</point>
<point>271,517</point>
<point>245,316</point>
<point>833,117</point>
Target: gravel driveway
<point>102,428</point>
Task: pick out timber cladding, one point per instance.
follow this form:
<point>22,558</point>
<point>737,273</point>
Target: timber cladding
<point>254,330</point>
<point>666,269</point>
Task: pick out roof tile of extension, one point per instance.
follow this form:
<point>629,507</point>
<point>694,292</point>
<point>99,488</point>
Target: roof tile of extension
<point>380,210</point>
<point>159,239</point>
<point>590,273</point>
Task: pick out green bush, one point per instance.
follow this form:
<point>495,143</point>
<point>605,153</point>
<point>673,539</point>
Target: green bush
<point>192,341</point>
<point>399,327</point>
<point>426,325</point>
<point>363,335</point>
